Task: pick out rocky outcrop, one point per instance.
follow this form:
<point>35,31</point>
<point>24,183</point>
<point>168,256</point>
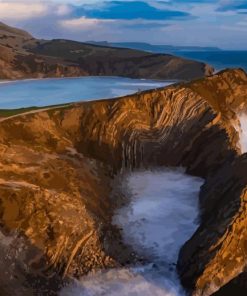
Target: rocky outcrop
<point>217,252</point>
<point>57,168</point>
<point>237,286</point>
<point>22,56</point>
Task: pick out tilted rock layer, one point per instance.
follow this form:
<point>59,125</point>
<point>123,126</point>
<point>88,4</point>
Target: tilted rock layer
<point>22,56</point>
<point>57,168</point>
<point>216,252</point>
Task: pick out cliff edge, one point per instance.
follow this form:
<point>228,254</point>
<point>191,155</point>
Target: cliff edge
<point>23,56</point>
<point>58,167</point>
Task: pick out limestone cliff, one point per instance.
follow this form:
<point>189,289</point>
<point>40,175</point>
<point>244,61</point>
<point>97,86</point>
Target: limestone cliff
<point>57,168</point>
<point>23,56</point>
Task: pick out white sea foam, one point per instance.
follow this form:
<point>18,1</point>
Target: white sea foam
<point>159,217</point>
<point>124,282</point>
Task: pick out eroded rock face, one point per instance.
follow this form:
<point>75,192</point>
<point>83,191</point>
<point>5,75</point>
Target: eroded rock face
<point>52,206</point>
<point>237,286</point>
<point>56,180</point>
<point>23,56</point>
<point>217,251</point>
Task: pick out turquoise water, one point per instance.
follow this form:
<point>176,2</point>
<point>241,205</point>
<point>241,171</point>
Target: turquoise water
<point>44,92</point>
<point>218,59</point>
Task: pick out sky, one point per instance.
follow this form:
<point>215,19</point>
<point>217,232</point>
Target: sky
<point>220,23</point>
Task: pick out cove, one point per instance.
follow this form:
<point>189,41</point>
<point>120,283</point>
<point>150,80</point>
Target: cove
<point>159,216</point>
<point>45,92</point>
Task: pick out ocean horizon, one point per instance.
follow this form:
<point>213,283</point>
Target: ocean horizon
<point>220,59</point>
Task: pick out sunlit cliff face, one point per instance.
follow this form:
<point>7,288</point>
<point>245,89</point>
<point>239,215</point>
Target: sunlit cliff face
<point>61,162</point>
<point>243,132</point>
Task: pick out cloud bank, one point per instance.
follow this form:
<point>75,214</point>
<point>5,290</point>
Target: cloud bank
<point>221,23</point>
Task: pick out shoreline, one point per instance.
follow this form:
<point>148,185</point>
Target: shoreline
<point>19,110</point>
<point>124,87</point>
<point>7,81</point>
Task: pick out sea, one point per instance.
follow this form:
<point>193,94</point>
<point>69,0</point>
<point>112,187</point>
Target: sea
<point>220,59</point>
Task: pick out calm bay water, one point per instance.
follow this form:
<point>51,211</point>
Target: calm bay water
<point>44,92</point>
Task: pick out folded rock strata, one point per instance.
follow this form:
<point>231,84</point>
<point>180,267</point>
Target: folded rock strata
<point>56,179</point>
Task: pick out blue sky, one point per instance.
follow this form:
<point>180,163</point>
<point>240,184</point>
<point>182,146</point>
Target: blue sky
<point>221,23</point>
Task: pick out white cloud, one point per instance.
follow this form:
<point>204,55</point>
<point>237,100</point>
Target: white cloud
<point>83,23</point>
<point>243,24</point>
<point>56,19</point>
<point>63,9</point>
<point>21,10</point>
